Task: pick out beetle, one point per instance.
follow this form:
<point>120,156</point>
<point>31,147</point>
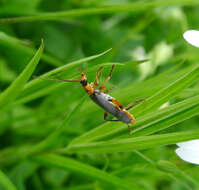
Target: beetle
<point>103,99</point>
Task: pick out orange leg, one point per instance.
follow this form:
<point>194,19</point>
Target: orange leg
<point>107,91</point>
<point>107,79</point>
<point>96,83</point>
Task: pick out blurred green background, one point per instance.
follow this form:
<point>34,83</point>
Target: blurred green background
<point>150,54</point>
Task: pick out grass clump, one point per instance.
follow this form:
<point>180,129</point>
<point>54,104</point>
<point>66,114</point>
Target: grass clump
<point>54,137</point>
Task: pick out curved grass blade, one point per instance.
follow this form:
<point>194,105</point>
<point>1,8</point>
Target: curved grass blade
<point>129,144</point>
<point>38,88</point>
<point>131,7</point>
<point>81,168</point>
<point>148,124</point>
<point>166,122</point>
<point>167,93</point>
<point>170,168</point>
<point>10,41</point>
<point>52,140</point>
<point>15,88</point>
<point>13,154</point>
<point>5,181</point>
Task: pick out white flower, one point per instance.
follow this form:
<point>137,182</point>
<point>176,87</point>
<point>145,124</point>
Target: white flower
<point>189,151</point>
<point>192,37</point>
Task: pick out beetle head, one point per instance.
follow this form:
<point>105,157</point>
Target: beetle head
<point>83,79</point>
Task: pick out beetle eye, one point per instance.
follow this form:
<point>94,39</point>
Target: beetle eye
<point>83,82</point>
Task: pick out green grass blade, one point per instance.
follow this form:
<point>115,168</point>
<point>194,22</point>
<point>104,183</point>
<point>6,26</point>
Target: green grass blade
<point>81,168</point>
<point>131,7</point>
<point>137,143</point>
<point>9,41</point>
<point>38,88</point>
<point>5,181</point>
<point>167,93</point>
<point>52,140</point>
<point>148,124</point>
<point>165,122</point>
<point>185,178</point>
<point>15,88</point>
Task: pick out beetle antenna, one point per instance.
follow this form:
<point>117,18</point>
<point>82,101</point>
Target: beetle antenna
<point>57,80</point>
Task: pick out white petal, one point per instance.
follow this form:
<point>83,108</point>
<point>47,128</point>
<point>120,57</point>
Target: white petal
<point>192,37</point>
<point>188,155</point>
<point>193,144</point>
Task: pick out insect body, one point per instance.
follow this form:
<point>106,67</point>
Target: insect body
<point>105,101</point>
<point>112,106</point>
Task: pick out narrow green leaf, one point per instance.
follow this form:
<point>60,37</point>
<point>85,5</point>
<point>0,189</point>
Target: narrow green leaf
<point>10,41</point>
<point>37,87</point>
<point>15,88</point>
<point>52,140</point>
<point>131,7</point>
<point>167,93</point>
<point>137,143</point>
<point>164,118</point>
<point>171,168</point>
<point>5,181</point>
<point>155,121</point>
<point>171,120</point>
<point>83,169</point>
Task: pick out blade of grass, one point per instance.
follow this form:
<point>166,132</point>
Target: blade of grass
<point>15,88</point>
<point>10,41</point>
<point>52,140</point>
<point>81,168</point>
<point>131,7</point>
<point>167,122</point>
<point>156,121</point>
<point>167,93</point>
<point>13,154</point>
<point>5,181</point>
<point>37,87</point>
<point>173,170</point>
<point>162,119</point>
<point>129,144</point>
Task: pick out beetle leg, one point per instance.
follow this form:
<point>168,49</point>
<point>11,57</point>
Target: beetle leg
<point>106,115</point>
<point>98,75</point>
<point>129,106</point>
<point>108,90</point>
<point>107,79</point>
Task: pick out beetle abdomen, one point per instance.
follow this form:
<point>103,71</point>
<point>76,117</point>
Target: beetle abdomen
<point>104,101</point>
